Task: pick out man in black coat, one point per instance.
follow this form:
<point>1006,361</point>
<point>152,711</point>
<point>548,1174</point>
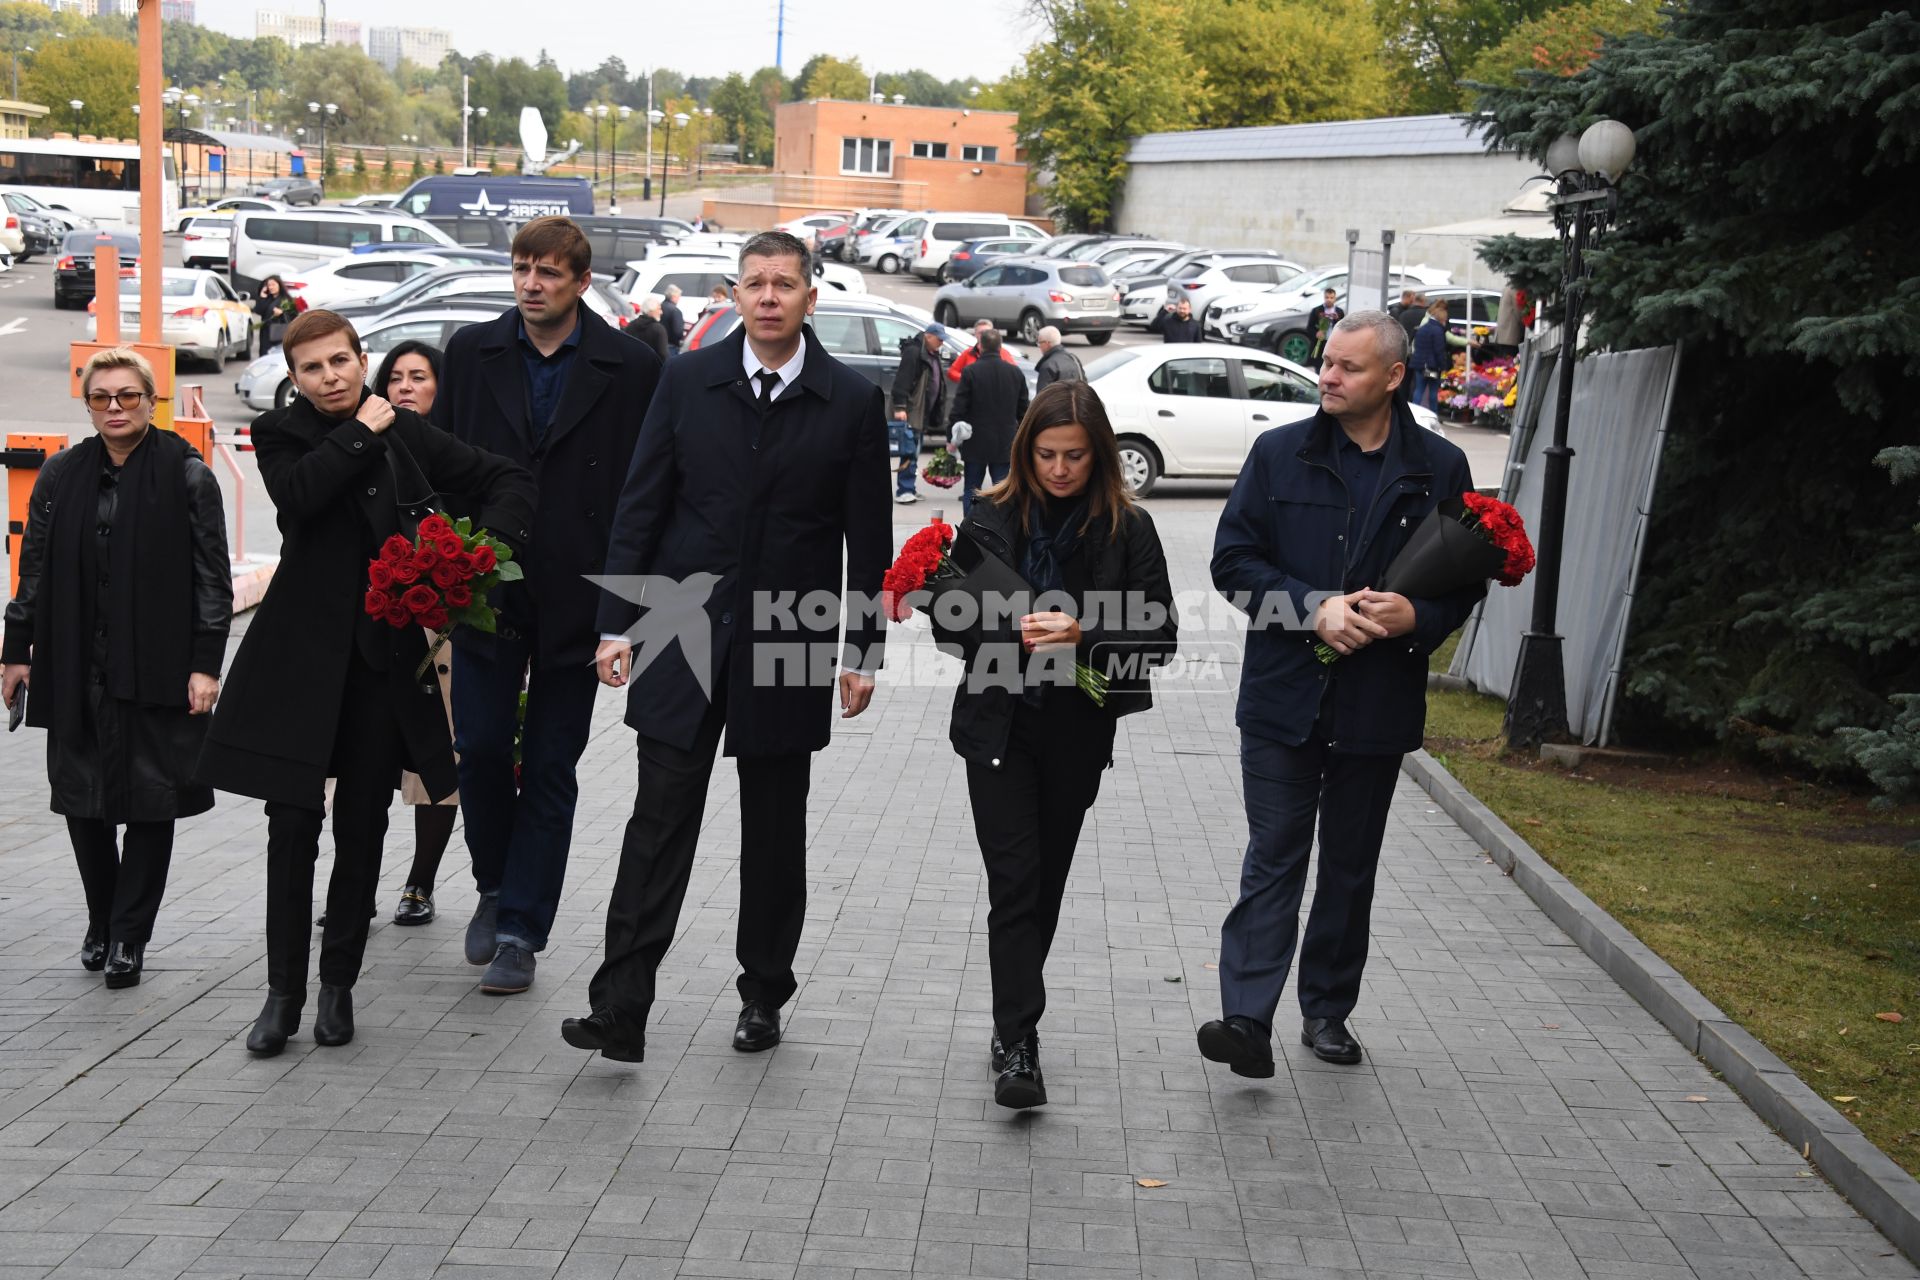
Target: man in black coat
<point>1177,323</point>
<point>556,389</point>
<point>761,459</point>
<point>992,399</point>
<point>319,689</point>
<point>672,318</point>
<point>648,329</point>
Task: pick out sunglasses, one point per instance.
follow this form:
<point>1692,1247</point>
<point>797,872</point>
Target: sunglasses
<point>99,401</point>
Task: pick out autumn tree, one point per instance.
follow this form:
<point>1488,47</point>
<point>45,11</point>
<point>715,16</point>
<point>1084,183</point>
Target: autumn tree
<point>834,78</point>
<point>1429,45</point>
<point>1563,41</point>
<point>101,72</point>
<point>1106,72</point>
<point>1287,61</point>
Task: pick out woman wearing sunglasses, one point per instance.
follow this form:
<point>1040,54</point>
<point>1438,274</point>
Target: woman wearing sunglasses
<point>118,631</point>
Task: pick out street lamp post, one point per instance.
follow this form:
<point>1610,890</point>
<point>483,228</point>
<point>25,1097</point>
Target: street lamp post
<point>1585,206</point>
<point>76,104</point>
<point>596,112</point>
<point>481,112</point>
<point>666,148</point>
<point>613,160</point>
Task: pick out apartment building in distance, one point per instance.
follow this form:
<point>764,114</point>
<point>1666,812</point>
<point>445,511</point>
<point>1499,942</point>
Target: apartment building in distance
<point>422,46</point>
<point>303,28</point>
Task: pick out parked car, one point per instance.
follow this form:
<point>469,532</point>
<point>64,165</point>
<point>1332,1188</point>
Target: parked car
<point>369,202</point>
<point>201,315</point>
<point>944,231</point>
<point>974,256</point>
<point>268,242</point>
<point>63,220</point>
<point>39,231</point>
<point>813,224</point>
<point>1198,282</point>
<point>1145,290</point>
<point>289,191</point>
<point>356,277</point>
<point>13,237</point>
<point>266,384</point>
<point>438,283</point>
<point>1126,249</point>
<point>1022,295</point>
<point>1485,307</point>
<point>1057,246</point>
<point>844,246</point>
<point>1192,411</point>
<point>697,274</point>
<point>207,241</point>
<point>1281,319</point>
<point>73,271</point>
<point>890,246</point>
<point>231,205</point>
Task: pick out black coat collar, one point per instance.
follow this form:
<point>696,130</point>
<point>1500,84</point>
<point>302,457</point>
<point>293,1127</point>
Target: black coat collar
<point>1407,453</point>
<point>816,374</point>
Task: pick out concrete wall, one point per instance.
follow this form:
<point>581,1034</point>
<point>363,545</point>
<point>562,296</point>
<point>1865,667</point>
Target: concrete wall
<point>1304,208</point>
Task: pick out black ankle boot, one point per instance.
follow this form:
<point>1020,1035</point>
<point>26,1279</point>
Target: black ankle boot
<point>124,960</point>
<point>93,950</point>
<point>333,1019</point>
<point>279,1018</point>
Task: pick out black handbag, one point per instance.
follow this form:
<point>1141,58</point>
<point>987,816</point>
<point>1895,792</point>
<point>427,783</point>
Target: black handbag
<point>414,498</point>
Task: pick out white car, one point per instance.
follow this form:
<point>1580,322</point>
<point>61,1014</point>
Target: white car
<point>355,277</point>
<point>698,273</point>
<point>204,241</point>
<point>230,206</point>
<point>369,202</point>
<point>1305,291</point>
<point>1192,410</point>
<point>1200,282</point>
<point>892,244</point>
<point>203,316</point>
<point>813,224</point>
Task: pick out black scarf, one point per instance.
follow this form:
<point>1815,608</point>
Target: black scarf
<point>150,604</point>
<point>1052,540</point>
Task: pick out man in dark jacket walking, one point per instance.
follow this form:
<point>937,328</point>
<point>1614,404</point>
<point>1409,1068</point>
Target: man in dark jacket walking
<point>760,479</point>
<point>1319,511</point>
<point>1056,364</point>
<point>992,399</point>
<point>557,390</point>
<point>917,390</point>
<point>672,317</point>
<point>1176,323</point>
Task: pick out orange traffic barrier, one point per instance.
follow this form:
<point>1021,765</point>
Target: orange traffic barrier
<point>23,458</point>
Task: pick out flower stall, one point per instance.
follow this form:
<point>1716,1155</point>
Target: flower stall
<point>1482,392</point>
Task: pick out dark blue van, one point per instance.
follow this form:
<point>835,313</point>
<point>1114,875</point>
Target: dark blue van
<point>497,195</point>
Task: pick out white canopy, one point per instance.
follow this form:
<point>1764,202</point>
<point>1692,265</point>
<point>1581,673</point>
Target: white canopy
<point>1531,226</point>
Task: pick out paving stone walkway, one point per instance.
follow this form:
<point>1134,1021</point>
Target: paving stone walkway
<point>1518,1116</point>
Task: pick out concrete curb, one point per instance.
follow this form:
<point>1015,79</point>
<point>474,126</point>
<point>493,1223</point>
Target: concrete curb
<point>1880,1189</point>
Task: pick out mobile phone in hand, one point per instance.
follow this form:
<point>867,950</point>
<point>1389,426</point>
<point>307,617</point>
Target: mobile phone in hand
<point>17,710</point>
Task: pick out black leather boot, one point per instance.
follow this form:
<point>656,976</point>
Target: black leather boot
<point>279,1018</point>
<point>124,960</point>
<point>93,950</point>
<point>333,1019</point>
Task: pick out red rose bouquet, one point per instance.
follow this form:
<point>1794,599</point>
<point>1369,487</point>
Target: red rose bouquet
<point>942,470</point>
<point>1466,540</point>
<point>927,557</point>
<point>439,581</point>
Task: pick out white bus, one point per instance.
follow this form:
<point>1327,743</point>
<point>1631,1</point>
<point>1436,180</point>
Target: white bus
<point>99,180</point>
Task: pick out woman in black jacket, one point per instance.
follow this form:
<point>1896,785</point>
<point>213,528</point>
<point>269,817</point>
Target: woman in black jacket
<point>318,688</point>
<point>118,631</point>
<point>1035,746</point>
<point>274,308</point>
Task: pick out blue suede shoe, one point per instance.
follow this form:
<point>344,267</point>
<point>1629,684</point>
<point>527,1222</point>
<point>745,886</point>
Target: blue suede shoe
<point>511,971</point>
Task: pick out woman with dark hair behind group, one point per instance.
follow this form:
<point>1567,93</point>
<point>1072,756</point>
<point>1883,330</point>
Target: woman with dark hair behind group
<point>410,378</point>
<point>275,309</point>
<point>1064,519</point>
<point>118,631</point>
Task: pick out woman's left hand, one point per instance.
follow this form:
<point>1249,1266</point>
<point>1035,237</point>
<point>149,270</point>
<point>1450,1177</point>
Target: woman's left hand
<point>202,692</point>
<point>1049,630</point>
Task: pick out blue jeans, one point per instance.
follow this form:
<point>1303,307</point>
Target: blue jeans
<point>519,838</point>
<point>1426,389</point>
<point>1287,789</point>
<point>977,473</point>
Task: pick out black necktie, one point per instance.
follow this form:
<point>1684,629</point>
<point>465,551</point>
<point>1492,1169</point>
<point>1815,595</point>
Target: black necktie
<point>769,382</point>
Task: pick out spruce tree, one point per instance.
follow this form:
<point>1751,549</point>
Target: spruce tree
<point>1768,229</point>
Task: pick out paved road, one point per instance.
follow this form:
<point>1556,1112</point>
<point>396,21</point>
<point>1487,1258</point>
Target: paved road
<point>1519,1116</point>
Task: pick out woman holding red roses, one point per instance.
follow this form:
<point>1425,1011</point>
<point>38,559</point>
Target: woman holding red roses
<point>410,379</point>
<point>321,688</point>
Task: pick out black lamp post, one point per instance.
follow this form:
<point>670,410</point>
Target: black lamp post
<point>1584,208</point>
<point>666,148</point>
<point>613,159</point>
<point>596,113</point>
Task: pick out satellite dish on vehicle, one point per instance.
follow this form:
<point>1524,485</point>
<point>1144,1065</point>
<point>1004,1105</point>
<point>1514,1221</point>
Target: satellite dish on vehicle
<point>533,135</point>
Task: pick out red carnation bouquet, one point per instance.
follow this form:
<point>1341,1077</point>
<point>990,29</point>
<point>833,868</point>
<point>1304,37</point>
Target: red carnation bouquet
<point>1466,540</point>
<point>439,580</point>
<point>929,556</point>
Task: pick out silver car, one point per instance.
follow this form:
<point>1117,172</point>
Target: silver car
<point>1023,295</point>
<point>267,384</point>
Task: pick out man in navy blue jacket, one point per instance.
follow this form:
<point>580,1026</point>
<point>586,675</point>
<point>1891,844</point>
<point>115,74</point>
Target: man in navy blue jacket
<point>1319,511</point>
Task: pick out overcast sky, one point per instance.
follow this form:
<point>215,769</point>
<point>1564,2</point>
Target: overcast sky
<point>982,38</point>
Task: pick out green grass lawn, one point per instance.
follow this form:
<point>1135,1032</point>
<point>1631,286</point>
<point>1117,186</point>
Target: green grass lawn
<point>1794,908</point>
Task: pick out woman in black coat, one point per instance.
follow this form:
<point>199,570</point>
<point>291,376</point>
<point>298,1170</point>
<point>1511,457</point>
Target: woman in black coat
<point>118,631</point>
<point>274,308</point>
<point>1036,745</point>
<point>318,688</point>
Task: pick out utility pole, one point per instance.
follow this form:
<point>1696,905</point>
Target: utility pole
<point>780,38</point>
<point>323,23</point>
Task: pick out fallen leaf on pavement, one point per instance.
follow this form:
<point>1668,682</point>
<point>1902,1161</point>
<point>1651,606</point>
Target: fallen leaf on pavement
<point>1695,1097</point>
<point>1845,1097</point>
<point>1149,1182</point>
<point>1533,822</point>
<point>1172,977</point>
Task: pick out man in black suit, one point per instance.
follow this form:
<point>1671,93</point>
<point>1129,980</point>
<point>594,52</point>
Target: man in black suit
<point>761,456</point>
<point>672,318</point>
<point>556,389</point>
<point>992,399</point>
